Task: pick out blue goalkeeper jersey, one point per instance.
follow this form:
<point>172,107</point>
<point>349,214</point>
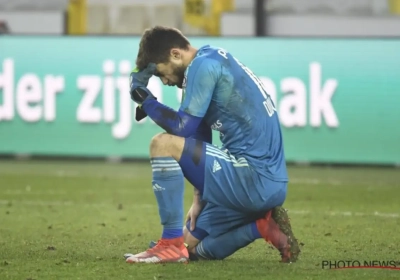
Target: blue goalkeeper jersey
<point>233,101</point>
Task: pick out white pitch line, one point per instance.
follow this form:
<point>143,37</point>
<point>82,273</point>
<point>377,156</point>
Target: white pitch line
<point>299,212</point>
<point>307,181</point>
<point>315,181</point>
<point>347,213</point>
<point>389,215</point>
<point>85,204</point>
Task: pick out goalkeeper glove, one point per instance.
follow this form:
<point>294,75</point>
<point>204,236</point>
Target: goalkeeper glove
<point>138,83</point>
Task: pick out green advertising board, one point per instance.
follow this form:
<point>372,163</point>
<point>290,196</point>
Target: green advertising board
<point>338,100</point>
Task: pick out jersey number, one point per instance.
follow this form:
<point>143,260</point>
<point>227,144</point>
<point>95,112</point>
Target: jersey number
<point>268,104</point>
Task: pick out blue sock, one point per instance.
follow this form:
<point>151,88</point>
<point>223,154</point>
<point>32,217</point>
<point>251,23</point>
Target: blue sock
<point>226,244</point>
<point>168,187</point>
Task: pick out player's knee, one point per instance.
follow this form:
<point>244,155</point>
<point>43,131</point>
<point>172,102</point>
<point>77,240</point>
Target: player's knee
<point>166,145</point>
<point>158,145</point>
<point>190,240</point>
<point>157,140</point>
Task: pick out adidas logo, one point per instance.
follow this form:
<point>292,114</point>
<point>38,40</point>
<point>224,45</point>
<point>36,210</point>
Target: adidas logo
<point>158,188</point>
<point>216,166</point>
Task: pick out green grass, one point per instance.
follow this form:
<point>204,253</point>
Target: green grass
<point>76,220</point>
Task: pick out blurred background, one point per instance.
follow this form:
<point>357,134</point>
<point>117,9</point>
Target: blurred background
<point>332,68</point>
<point>204,17</point>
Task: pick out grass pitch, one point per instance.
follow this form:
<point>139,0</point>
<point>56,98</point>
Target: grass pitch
<point>64,220</point>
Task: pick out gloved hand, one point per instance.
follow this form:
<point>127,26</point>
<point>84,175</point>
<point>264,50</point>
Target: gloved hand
<point>138,83</point>
<point>140,114</point>
<point>139,95</point>
<point>141,78</point>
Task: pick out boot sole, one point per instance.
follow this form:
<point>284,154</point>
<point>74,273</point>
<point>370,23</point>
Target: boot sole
<point>280,216</point>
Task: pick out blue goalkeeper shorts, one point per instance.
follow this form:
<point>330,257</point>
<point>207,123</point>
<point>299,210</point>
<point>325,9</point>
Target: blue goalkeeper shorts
<point>236,194</point>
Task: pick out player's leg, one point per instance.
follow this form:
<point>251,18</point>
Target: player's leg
<point>220,247</point>
<point>212,223</point>
<point>201,245</point>
<point>172,158</point>
<point>168,187</point>
<point>215,222</point>
<point>167,152</point>
<point>226,237</point>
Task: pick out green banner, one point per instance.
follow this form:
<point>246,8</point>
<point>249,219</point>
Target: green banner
<point>338,100</point>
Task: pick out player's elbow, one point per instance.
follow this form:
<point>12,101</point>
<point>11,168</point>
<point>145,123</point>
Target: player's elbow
<point>187,125</point>
<point>184,131</point>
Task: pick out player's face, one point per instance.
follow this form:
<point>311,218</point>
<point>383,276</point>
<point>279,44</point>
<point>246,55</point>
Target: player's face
<point>172,72</point>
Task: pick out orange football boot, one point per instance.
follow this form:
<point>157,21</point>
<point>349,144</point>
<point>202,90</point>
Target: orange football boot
<point>165,251</point>
<point>275,228</point>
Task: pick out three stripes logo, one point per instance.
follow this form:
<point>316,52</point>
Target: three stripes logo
<point>224,156</point>
<point>216,166</point>
<point>158,188</point>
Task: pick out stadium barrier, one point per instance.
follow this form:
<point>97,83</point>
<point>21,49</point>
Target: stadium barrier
<point>338,99</point>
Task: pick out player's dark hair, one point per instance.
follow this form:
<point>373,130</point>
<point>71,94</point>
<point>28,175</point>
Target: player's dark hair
<point>156,44</point>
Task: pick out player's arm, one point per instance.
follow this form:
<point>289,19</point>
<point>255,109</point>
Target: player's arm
<point>174,122</point>
<point>201,79</point>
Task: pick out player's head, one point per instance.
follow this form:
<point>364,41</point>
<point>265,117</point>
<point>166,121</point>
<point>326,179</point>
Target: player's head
<point>169,50</point>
